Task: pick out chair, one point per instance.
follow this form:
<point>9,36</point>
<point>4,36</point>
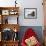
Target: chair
<point>29,33</point>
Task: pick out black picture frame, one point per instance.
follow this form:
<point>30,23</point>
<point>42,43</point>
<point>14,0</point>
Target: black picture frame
<point>30,13</point>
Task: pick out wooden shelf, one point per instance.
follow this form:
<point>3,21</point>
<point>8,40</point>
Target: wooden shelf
<point>4,13</point>
<point>11,26</point>
<point>9,8</point>
<point>9,43</point>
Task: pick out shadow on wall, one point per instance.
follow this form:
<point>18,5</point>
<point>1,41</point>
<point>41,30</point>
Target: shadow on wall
<point>37,29</point>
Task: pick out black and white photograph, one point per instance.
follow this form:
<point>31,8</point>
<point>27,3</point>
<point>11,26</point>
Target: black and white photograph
<point>30,13</point>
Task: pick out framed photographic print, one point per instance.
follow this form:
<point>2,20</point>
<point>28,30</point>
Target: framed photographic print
<point>30,13</point>
<point>5,12</point>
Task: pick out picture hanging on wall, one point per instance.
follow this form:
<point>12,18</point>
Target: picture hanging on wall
<point>30,13</point>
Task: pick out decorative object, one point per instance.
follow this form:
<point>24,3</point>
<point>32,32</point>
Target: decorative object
<point>15,37</point>
<point>30,13</point>
<point>5,12</point>
<point>13,12</point>
<point>15,3</point>
<point>15,30</point>
<point>6,21</point>
<point>7,34</point>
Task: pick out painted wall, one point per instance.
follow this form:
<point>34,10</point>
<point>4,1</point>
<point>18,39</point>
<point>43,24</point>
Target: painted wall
<point>27,4</point>
<point>31,4</point>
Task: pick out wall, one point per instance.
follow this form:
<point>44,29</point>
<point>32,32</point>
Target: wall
<point>27,4</point>
<point>31,4</point>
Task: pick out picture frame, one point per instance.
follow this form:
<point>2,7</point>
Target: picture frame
<point>30,13</point>
<point>5,12</point>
